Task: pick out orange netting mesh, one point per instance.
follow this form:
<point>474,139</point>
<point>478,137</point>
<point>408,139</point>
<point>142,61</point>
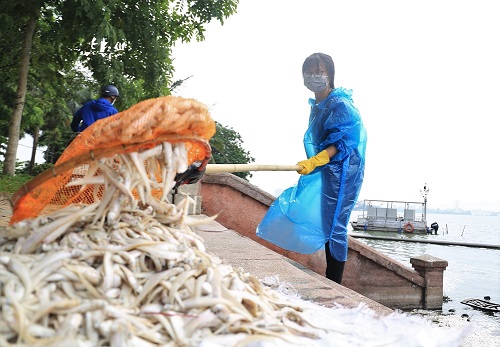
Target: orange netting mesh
<point>143,126</point>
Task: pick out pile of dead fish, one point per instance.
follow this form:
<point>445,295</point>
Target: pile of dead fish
<point>111,273</point>
<point>131,272</point>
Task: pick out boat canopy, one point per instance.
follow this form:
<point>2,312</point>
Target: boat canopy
<point>393,210</point>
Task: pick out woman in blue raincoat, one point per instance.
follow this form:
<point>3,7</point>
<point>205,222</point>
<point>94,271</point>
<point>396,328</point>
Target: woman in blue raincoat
<point>315,212</point>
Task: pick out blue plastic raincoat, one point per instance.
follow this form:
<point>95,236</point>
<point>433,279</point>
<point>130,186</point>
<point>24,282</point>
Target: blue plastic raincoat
<point>317,209</point>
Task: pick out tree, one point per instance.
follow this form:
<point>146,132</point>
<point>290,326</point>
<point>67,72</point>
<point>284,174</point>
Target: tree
<point>127,43</point>
<point>15,124</point>
<point>227,149</point>
<point>47,85</point>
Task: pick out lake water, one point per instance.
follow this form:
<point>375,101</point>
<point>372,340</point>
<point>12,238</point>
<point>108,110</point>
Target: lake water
<point>471,272</point>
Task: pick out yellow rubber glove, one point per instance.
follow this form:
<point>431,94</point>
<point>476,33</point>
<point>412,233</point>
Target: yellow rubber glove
<point>310,164</point>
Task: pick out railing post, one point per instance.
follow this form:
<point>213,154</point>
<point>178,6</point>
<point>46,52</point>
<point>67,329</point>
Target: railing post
<point>431,269</point>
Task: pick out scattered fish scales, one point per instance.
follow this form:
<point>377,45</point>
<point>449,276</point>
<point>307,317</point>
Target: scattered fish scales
<point>129,280</point>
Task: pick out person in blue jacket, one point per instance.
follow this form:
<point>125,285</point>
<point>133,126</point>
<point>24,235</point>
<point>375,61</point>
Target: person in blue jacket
<point>315,212</point>
<point>94,110</point>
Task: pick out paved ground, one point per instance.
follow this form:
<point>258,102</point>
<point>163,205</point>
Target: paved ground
<point>5,209</point>
<point>240,251</point>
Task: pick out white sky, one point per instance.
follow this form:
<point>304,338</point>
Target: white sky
<point>425,76</point>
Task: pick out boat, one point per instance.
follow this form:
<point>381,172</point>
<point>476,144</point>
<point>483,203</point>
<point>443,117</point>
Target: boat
<point>482,304</point>
<point>395,216</point>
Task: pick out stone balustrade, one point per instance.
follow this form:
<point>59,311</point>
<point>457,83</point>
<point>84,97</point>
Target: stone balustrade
<point>240,206</point>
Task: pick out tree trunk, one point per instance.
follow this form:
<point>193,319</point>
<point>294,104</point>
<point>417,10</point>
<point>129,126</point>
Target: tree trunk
<point>9,165</point>
<point>33,151</point>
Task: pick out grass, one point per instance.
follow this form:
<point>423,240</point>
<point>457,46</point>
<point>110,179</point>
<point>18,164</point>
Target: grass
<point>11,184</point>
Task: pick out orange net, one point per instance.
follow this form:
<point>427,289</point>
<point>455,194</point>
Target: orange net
<point>141,127</point>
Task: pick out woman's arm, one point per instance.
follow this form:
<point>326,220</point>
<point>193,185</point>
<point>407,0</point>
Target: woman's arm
<point>331,150</point>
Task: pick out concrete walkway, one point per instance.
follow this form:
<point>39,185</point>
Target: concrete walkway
<point>240,251</point>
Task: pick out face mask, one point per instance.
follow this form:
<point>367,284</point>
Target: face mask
<point>316,84</point>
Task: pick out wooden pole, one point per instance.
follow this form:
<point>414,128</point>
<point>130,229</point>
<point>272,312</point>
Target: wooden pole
<point>212,168</point>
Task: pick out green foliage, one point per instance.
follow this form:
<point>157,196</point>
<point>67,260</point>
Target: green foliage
<point>79,45</point>
<point>130,42</point>
<point>23,168</point>
<point>227,149</point>
<point>11,184</point>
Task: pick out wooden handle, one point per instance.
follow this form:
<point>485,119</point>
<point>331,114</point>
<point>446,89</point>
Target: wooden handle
<point>211,168</point>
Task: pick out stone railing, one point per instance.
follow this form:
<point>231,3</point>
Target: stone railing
<point>240,206</point>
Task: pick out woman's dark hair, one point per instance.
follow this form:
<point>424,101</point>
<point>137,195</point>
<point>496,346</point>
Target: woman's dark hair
<point>318,61</point>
